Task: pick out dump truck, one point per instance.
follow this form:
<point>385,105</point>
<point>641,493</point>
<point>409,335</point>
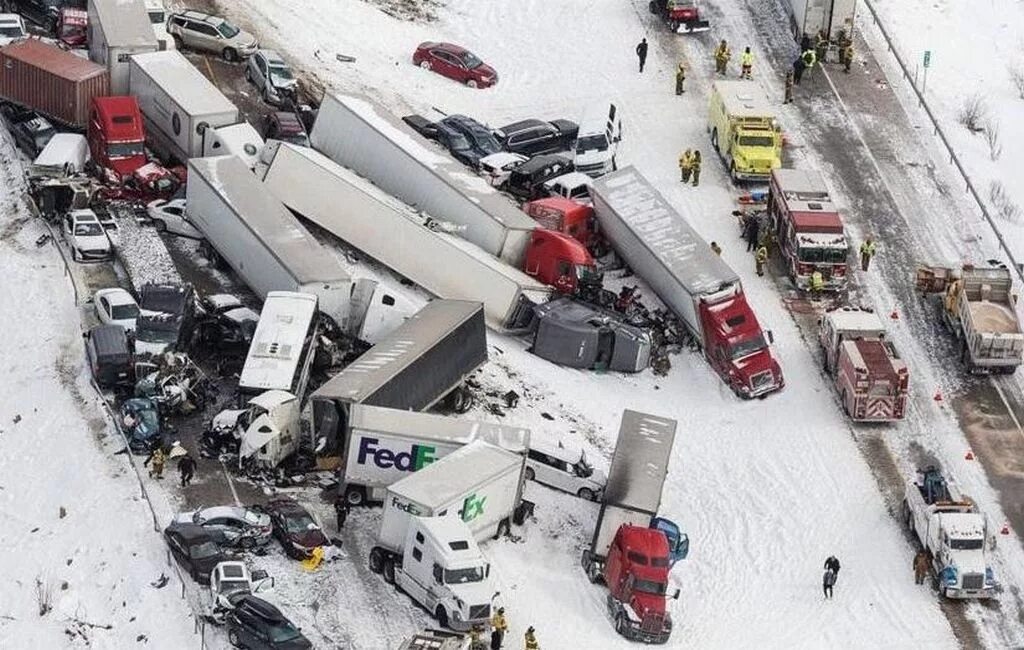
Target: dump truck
<point>695,284</point>
<point>51,81</point>
<point>979,307</point>
<point>744,131</point>
<point>953,534</point>
<point>629,550</point>
<point>869,375</point>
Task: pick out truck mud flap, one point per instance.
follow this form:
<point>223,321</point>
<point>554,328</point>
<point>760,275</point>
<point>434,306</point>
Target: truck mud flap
<point>693,27</point>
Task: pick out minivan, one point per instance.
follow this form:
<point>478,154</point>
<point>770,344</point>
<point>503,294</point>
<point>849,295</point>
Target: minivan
<point>108,349</point>
<point>598,140</point>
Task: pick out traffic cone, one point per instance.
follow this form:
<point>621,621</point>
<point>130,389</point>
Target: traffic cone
<point>894,315</point>
<point>938,396</point>
<point>969,455</point>
<point>1006,529</point>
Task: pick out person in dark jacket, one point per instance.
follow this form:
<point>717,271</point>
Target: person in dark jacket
<point>798,70</point>
<point>920,567</point>
<point>828,581</point>
<point>187,469</point>
<point>641,53</point>
<point>341,509</point>
<point>695,168</point>
<point>750,231</point>
<point>832,562</point>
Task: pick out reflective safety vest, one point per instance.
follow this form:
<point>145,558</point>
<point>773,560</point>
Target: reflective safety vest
<point>809,58</point>
<point>747,59</point>
<point>868,248</point>
<point>817,282</point>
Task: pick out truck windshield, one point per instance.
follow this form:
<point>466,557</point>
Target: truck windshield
<point>649,587</point>
<point>747,347</point>
<point>11,30</point>
<point>589,142</point>
<point>463,576</point>
<point>583,468</point>
<point>157,17</point>
<point>812,255</point>
<point>757,141</point>
<point>966,544</point>
<point>125,149</point>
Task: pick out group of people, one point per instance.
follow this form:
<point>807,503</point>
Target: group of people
<point>723,54</point>
<point>158,458</point>
<point>689,167</point>
<point>499,627</point>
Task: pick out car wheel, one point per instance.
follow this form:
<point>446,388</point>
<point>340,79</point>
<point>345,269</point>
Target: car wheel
<point>229,54</point>
<point>233,639</point>
<point>586,494</point>
<point>389,571</point>
<point>178,43</point>
<point>75,257</point>
<point>471,83</point>
<point>248,74</point>
<point>247,543</point>
<point>620,625</point>
<point>529,474</point>
<point>160,225</point>
<point>442,616</point>
<point>376,560</point>
<point>425,65</point>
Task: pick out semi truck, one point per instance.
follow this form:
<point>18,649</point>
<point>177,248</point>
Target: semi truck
<point>352,209</point>
<point>420,363</point>
<point>179,105</point>
<point>384,445</point>
<point>868,373</point>
<point>979,307</point>
<point>629,550</point>
<point>244,225</point>
<point>953,534</point>
<point>51,81</point>
<point>367,138</point>
<point>744,131</point>
<point>119,29</point>
<point>695,284</point>
<point>808,228</point>
<point>809,17</point>
<point>432,521</point>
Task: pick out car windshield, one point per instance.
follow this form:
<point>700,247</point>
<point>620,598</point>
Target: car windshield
<point>487,142</point>
<point>169,302</point>
<point>583,468</point>
<point>227,30</point>
<point>281,72</point>
<point>124,312</point>
<point>650,587</point>
<point>11,30</point>
<point>463,576</point>
<point>589,142</point>
<point>747,347</point>
<point>150,335</point>
<point>282,631</point>
<point>150,420</point>
<point>204,550</point>
<point>757,141</point>
<point>300,523</point>
<point>470,60</point>
<point>966,544</point>
<point>157,17</point>
<point>301,140</point>
<point>86,229</point>
<point>459,142</point>
<point>816,255</point>
<point>125,149</point>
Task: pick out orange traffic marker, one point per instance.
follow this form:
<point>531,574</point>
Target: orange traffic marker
<point>1006,529</point>
<point>969,455</point>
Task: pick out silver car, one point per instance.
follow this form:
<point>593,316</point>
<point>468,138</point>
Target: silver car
<point>203,32</point>
<point>231,526</point>
<point>272,77</point>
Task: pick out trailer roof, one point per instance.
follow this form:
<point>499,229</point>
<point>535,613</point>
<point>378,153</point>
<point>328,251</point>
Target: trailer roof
<point>53,60</point>
<point>807,198</point>
<point>671,240</point>
<point>278,341</point>
<point>191,90</point>
<point>364,376</point>
<point>267,218</point>
<point>125,23</point>
<point>438,483</point>
<point>640,462</point>
<point>440,428</point>
<point>743,99</point>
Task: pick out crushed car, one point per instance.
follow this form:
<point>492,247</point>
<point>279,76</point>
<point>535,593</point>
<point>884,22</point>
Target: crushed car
<point>231,526</point>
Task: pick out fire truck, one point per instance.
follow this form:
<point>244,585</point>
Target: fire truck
<point>871,378</point>
<point>808,228</point>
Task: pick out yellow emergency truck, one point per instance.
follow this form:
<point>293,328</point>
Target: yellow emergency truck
<point>744,130</point>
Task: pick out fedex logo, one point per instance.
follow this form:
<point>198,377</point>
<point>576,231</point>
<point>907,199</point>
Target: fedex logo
<point>472,507</point>
<point>407,461</point>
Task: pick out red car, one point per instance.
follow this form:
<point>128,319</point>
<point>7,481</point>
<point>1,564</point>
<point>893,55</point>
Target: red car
<point>455,63</point>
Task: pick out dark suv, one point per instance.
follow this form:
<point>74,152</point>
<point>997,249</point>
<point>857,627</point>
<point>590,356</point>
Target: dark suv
<point>31,130</point>
<point>254,623</point>
<point>535,137</point>
<point>479,138</point>
<point>43,13</point>
<point>526,181</point>
<point>166,320</point>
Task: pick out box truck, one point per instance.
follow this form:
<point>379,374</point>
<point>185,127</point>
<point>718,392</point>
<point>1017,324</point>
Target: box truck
<point>383,445</point>
<point>283,346</point>
<point>49,80</point>
<point>695,284</point>
<point>117,30</point>
<point>808,17</point>
<point>352,209</point>
<point>366,138</point>
<point>178,103</point>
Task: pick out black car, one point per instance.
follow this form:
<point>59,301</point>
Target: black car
<point>536,137</point>
<point>479,140</point>
<point>108,348</point>
<point>256,624</point>
<point>31,131</point>
<point>43,13</point>
<point>527,180</point>
<point>166,319</point>
<point>295,528</point>
<point>222,321</point>
<point>194,549</point>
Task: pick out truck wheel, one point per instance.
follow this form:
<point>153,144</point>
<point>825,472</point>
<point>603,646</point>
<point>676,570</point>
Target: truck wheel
<point>586,494</point>
<point>652,6</point>
<point>529,473</point>
<point>714,139</point>
<point>178,43</point>
<point>441,616</point>
<point>376,560</point>
<point>846,405</point>
<point>504,528</point>
<point>233,639</point>
<point>230,54</point>
<point>355,495</point>
<point>389,571</point>
<point>620,625</point>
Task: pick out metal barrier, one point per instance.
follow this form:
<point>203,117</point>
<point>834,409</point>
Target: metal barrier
<point>1017,266</point>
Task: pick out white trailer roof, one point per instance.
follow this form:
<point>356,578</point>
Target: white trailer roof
<point>744,99</point>
<point>665,233</point>
<point>190,89</point>
<point>851,319</point>
<point>267,218</point>
<point>437,484</point>
<point>277,344</point>
<point>125,23</point>
<point>439,428</point>
<point>640,462</point>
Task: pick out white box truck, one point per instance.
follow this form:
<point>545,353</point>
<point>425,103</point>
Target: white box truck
<point>242,140</point>
<point>808,17</point>
<point>366,138</point>
<point>179,105</point>
<point>119,29</point>
<point>354,210</point>
<point>283,346</point>
<point>385,445</point>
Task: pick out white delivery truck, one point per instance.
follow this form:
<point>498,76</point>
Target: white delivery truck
<point>158,20</point>
<point>366,138</point>
<point>808,17</point>
<point>383,445</point>
<point>242,140</point>
<point>283,346</point>
<point>354,210</point>
<point>119,29</point>
<point>270,250</point>
<point>179,105</point>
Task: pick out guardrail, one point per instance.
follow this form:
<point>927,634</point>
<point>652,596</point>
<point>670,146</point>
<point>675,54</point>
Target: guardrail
<point>1017,266</point>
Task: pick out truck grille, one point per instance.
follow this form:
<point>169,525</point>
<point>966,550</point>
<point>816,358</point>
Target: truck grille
<point>479,612</point>
<point>974,581</point>
<point>652,623</point>
<point>763,379</point>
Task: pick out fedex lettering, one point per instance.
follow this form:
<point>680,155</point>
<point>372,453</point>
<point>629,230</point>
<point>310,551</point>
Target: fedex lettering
<point>407,507</point>
<point>407,461</point>
<point>472,507</point>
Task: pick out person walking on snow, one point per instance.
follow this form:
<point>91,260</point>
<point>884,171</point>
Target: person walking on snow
<point>695,167</point>
<point>920,567</point>
<point>789,88</point>
<point>498,628</point>
<point>187,469</point>
<point>828,581</point>
<point>798,69</point>
<point>641,53</point>
<point>746,64</point>
<point>750,229</point>
<point>157,458</point>
<point>716,248</point>
<point>680,79</point>
<point>341,509</point>
<point>867,251</point>
<point>760,257</point>
<point>685,166</point>
<point>722,56</point>
<point>530,640</point>
<point>846,54</point>
<point>832,562</point>
<point>821,45</point>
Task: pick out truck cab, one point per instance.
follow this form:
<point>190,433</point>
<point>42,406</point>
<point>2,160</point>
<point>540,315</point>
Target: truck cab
<point>117,138</point>
<point>268,428</point>
<point>72,25</point>
<point>736,346</point>
<point>560,261</point>
<point>565,216</point>
<point>636,572</point>
<point>744,131</point>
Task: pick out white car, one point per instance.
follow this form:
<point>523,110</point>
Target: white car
<point>272,77</point>
<point>116,307</point>
<point>86,236</point>
<point>497,166</point>
<point>12,28</point>
<point>574,185</point>
<point>564,469</point>
<point>169,216</point>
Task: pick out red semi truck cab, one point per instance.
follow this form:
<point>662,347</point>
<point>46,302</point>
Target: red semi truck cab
<point>736,346</point>
<point>565,216</point>
<point>636,572</point>
<point>809,228</point>
<point>558,260</point>
<point>117,138</point>
<point>72,26</point>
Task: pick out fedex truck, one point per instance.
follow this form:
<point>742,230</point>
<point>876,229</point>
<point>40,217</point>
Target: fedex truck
<point>383,445</point>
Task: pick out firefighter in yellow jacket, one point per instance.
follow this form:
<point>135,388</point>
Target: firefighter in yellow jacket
<point>530,640</point>
<point>746,63</point>
<point>498,628</point>
<point>722,56</point>
<point>685,165</point>
<point>760,257</point>
<point>680,79</point>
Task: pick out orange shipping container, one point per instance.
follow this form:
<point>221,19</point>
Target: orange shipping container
<point>47,79</point>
